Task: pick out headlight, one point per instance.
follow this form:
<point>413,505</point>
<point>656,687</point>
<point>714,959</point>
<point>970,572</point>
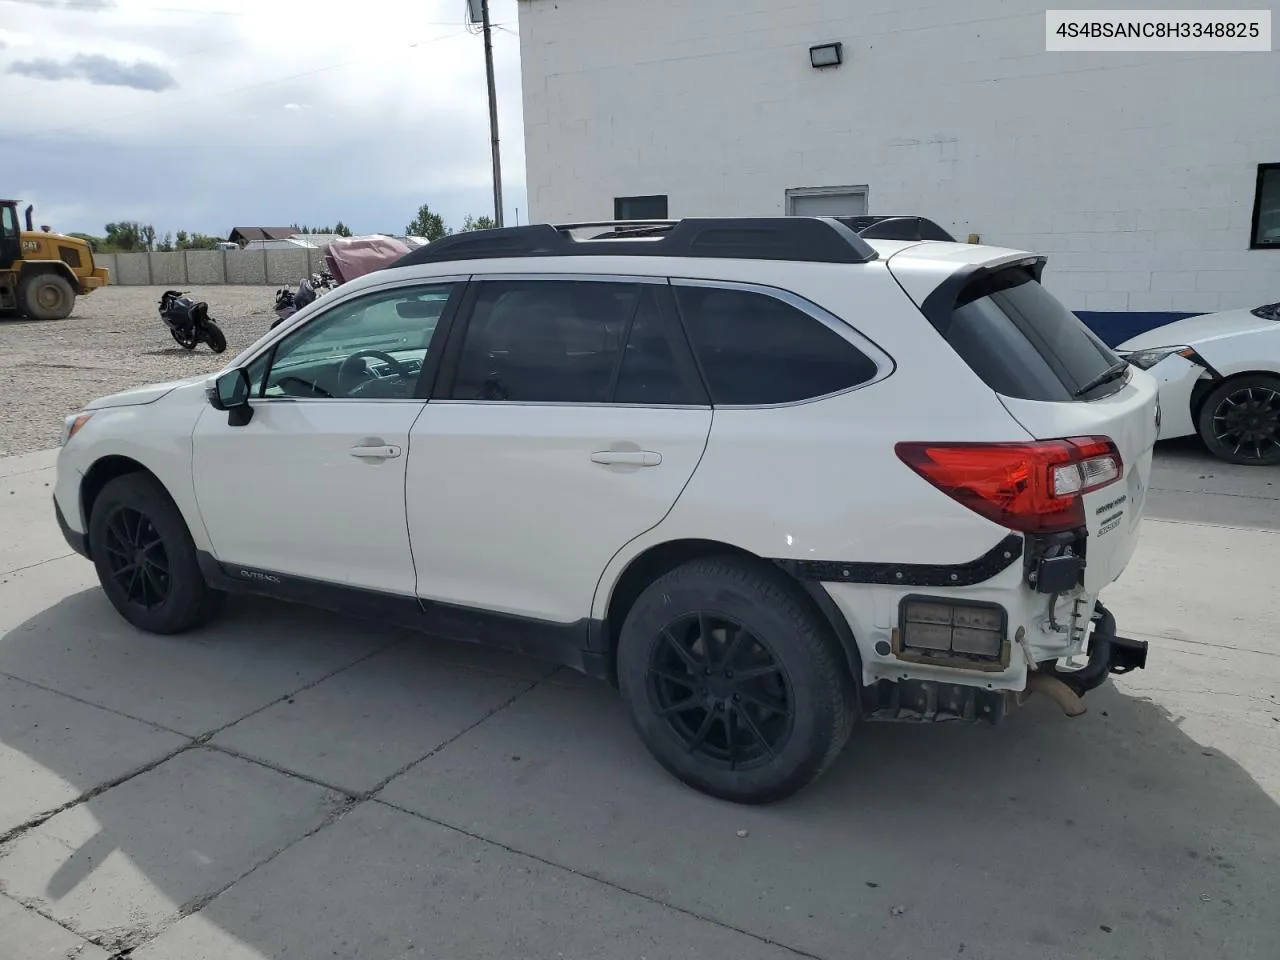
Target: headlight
<point>1146,359</point>
<point>71,426</point>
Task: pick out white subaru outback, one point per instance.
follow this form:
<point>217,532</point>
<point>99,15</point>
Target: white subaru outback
<point>767,476</point>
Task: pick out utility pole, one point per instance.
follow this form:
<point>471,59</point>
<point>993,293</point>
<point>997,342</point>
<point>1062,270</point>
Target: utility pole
<point>493,113</point>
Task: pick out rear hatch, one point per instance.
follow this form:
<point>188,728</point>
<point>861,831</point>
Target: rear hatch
<point>1058,380</point>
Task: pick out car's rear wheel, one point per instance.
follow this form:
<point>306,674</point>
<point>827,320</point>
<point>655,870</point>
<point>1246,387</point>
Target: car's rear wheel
<point>145,558</point>
<point>1240,420</point>
<point>736,687</point>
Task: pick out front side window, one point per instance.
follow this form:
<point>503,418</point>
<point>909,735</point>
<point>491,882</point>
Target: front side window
<point>8,222</point>
<point>569,341</point>
<point>372,347</point>
<point>754,349</point>
<point>1266,207</point>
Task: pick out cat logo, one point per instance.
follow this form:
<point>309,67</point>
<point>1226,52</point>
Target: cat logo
<point>30,246</point>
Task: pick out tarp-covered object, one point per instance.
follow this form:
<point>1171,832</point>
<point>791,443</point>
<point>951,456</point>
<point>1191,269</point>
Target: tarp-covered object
<point>353,257</point>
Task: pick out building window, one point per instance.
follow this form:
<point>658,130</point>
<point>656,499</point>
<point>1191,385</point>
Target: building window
<point>827,202</point>
<point>1266,208</point>
<point>640,208</point>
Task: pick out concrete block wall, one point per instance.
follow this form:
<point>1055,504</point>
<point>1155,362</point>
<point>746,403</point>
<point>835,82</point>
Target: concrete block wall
<point>288,266</point>
<point>206,267</point>
<point>1133,173</point>
<point>211,267</point>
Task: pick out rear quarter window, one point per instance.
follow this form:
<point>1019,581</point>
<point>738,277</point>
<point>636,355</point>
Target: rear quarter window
<point>1023,343</point>
<point>755,349</point>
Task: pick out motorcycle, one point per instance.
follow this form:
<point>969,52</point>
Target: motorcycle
<point>288,303</point>
<point>189,322</point>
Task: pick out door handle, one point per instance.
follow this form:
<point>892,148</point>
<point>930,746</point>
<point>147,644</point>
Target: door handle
<point>634,458</point>
<point>385,451</point>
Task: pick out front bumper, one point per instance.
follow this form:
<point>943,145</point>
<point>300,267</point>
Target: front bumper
<point>75,540</point>
<point>93,281</point>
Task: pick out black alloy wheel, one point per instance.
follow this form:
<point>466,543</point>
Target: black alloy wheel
<point>734,681</point>
<point>145,558</point>
<point>721,690</point>
<point>1240,421</point>
<point>136,558</point>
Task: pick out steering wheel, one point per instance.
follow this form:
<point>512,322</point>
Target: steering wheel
<point>344,368</point>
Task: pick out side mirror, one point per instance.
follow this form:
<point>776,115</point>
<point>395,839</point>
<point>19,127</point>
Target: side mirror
<point>231,392</point>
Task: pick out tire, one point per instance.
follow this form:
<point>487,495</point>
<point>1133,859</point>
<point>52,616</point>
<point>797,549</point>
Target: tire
<point>133,509</point>
<point>46,296</point>
<point>186,343</point>
<point>214,336</point>
<point>786,660</point>
<point>1239,421</point>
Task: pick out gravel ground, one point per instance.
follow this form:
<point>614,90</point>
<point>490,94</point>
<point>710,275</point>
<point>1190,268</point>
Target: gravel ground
<point>113,341</point>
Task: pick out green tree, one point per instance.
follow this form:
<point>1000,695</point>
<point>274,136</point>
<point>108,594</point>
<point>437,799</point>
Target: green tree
<point>427,224</point>
<point>341,229</point>
<point>125,236</point>
<point>95,243</point>
<point>165,245</point>
<point>477,223</point>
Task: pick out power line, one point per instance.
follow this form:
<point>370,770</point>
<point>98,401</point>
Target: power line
<point>223,93</point>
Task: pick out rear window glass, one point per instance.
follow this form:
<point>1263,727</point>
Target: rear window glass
<point>1025,344</point>
<point>756,350</point>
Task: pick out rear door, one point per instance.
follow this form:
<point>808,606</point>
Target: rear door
<point>567,420</point>
<point>1058,379</point>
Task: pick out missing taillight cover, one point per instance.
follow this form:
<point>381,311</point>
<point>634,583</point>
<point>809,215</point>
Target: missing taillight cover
<point>1033,487</point>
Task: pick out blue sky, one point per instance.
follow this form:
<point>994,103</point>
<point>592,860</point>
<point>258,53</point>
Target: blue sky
<point>207,114</point>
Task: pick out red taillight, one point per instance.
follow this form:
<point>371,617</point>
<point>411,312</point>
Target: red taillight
<point>1032,487</point>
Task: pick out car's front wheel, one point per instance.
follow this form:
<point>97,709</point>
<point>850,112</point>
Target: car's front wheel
<point>145,558</point>
<point>736,687</point>
<point>1240,420</point>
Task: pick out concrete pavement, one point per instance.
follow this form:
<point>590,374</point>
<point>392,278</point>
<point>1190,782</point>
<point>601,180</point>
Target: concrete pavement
<point>290,783</point>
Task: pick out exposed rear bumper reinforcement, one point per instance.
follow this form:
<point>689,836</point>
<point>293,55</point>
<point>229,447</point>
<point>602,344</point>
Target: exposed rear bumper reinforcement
<point>1108,654</point>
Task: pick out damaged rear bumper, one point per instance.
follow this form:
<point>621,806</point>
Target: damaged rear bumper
<point>1108,653</point>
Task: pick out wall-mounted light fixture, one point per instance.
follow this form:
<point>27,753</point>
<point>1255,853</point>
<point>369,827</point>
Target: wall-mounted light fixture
<point>826,55</point>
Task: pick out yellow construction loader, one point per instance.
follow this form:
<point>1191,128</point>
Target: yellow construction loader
<point>41,272</point>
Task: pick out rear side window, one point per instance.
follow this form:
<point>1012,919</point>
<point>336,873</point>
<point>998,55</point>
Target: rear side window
<point>570,341</point>
<point>1025,344</point>
<point>755,349</point>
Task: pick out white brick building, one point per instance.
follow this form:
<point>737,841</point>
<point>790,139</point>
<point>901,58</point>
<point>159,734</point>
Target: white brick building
<point>1140,175</point>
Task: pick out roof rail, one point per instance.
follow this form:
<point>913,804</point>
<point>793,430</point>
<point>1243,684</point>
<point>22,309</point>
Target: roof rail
<point>814,239</point>
<point>896,228</point>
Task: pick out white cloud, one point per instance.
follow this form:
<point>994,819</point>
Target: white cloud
<point>280,110</point>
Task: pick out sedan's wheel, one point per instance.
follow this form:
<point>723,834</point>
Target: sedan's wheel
<point>145,558</point>
<point>735,687</point>
<point>1240,420</point>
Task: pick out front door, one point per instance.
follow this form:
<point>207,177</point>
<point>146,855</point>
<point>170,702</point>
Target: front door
<point>568,425</point>
<point>313,485</point>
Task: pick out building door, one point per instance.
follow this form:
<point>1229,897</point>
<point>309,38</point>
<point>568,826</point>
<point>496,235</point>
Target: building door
<point>827,202</point>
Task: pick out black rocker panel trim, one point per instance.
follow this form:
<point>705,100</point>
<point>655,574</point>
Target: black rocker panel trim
<point>562,643</point>
<point>998,558</point>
